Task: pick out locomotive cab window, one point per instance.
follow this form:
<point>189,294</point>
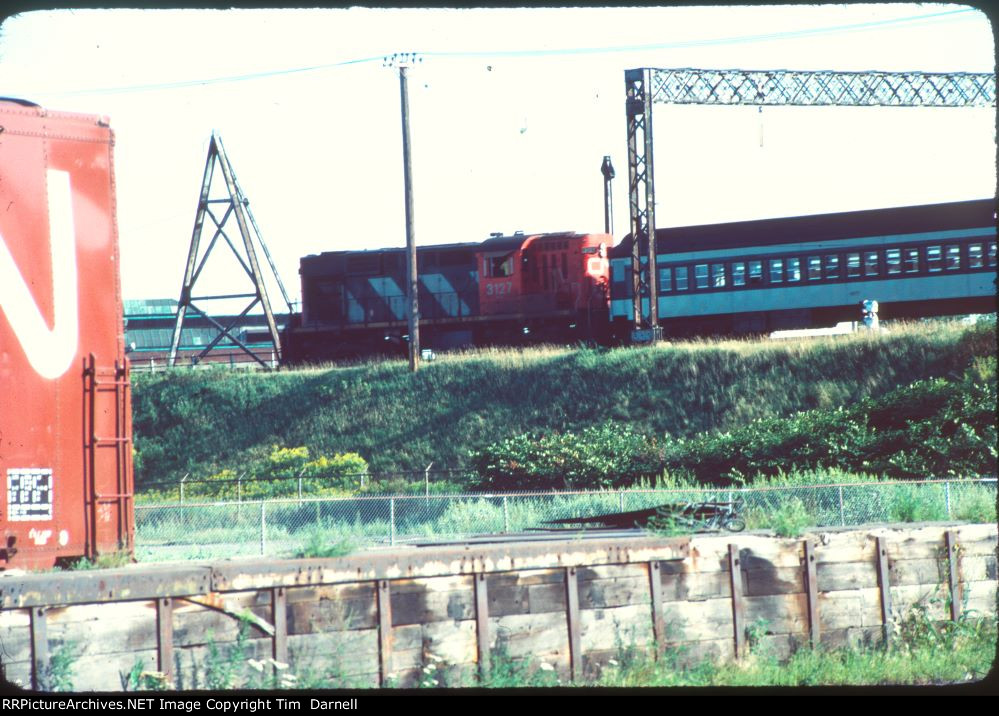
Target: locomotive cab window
<point>498,266</point>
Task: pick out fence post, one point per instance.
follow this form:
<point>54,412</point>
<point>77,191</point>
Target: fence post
<point>300,485</point>
<point>506,516</point>
<point>842,514</point>
<point>263,528</point>
<point>426,477</point>
<point>392,521</point>
<point>186,475</point>
<point>620,500</point>
<point>947,497</point>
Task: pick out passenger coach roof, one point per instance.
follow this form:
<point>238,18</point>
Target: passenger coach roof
<point>821,227</point>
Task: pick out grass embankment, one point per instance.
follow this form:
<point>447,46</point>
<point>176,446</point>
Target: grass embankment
<point>201,422</point>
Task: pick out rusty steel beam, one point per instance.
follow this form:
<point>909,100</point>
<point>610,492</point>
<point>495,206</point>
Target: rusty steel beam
<point>410,563</point>
<point>738,609</point>
<point>572,622</point>
<point>104,586</point>
<point>953,573</point>
<point>279,615</point>
<point>384,599</point>
<point>39,647</point>
<point>884,584</point>
<point>164,637</point>
<point>656,595</point>
<point>216,602</point>
<point>812,593</point>
<point>481,621</point>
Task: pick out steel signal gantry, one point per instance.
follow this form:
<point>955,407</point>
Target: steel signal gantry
<point>647,86</point>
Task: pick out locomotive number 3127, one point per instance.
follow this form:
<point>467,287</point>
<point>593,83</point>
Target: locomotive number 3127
<point>499,289</point>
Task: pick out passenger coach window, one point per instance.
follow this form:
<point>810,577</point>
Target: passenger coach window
<point>992,253</point>
<point>794,269</point>
<point>718,275</point>
<point>934,258</point>
<point>681,278</point>
<point>870,263</point>
<point>665,280</point>
<point>893,261</point>
<point>911,260</point>
<point>832,266</point>
<point>953,257</point>
<point>852,265</point>
<point>739,273</point>
<point>776,270</point>
<point>975,258</point>
<point>755,272</point>
<point>701,275</point>
<point>814,268</point>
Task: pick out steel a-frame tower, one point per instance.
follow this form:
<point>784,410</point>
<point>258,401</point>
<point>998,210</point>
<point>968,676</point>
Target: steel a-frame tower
<point>235,205</point>
<point>645,87</point>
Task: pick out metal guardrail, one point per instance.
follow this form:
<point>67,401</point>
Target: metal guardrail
<point>312,526</point>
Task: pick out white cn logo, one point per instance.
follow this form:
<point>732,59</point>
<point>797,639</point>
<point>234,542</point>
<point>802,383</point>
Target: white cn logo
<point>50,352</point>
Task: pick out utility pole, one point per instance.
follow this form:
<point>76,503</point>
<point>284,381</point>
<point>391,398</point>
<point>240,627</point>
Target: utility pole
<point>403,62</point>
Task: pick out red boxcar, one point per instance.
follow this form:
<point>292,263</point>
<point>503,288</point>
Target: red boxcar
<point>65,414</point>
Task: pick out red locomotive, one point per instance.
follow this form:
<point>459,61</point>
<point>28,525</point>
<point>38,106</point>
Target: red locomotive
<point>505,290</point>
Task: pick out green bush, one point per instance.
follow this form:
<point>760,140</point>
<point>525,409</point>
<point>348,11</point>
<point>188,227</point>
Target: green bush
<point>596,457</point>
<point>791,518</point>
<point>930,428</point>
<point>279,475</point>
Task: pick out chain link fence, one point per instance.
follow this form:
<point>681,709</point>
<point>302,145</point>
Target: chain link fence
<point>317,526</point>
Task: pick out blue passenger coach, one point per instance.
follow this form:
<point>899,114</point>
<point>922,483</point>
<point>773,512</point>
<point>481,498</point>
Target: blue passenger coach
<point>813,271</point>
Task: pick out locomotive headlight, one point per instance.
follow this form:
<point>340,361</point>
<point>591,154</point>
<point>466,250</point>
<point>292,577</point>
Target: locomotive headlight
<point>526,330</point>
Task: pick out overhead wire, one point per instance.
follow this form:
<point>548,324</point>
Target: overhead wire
<point>457,54</point>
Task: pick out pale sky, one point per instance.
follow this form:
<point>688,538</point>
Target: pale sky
<point>512,112</point>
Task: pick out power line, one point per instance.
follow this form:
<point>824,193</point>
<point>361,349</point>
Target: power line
<point>791,34</point>
<point>682,44</point>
